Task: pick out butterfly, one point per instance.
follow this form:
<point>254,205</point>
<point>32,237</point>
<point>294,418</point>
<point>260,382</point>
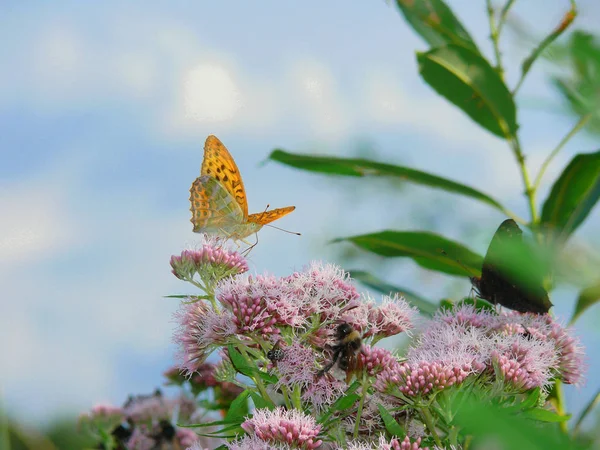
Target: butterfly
<point>503,280</point>
<point>218,198</point>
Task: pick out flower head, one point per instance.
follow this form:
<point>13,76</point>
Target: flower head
<point>200,331</point>
<point>375,359</point>
<point>210,261</point>
<point>297,367</point>
<point>392,317</point>
<point>290,427</point>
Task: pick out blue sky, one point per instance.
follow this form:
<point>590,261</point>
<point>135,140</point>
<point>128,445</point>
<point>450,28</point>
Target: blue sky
<point>104,108</point>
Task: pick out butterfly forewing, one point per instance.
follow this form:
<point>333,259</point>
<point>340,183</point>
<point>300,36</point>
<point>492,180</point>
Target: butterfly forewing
<point>219,164</point>
<point>270,216</point>
<point>213,208</point>
<point>511,275</point>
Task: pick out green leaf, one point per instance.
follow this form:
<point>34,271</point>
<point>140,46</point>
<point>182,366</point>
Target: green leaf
<point>359,167</point>
<point>543,415</point>
<point>478,303</point>
<point>587,298</point>
<point>435,22</point>
<point>239,407</point>
<point>573,195</point>
<point>424,248</point>
<point>491,423</point>
<point>239,362</point>
<point>425,306</point>
<point>260,402</point>
<point>391,425</point>
<point>468,80</point>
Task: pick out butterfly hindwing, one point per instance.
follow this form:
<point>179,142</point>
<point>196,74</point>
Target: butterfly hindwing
<point>510,275</point>
<point>213,208</point>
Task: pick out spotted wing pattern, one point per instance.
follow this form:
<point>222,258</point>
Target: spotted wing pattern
<point>498,285</point>
<point>219,164</point>
<point>270,216</point>
<point>212,206</point>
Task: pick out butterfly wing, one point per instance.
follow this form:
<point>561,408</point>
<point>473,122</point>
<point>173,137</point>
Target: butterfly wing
<point>502,276</point>
<point>212,206</point>
<point>270,216</point>
<point>219,164</point>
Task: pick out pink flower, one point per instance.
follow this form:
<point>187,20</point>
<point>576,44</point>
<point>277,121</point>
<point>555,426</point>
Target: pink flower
<point>156,407</point>
<point>290,427</point>
<point>570,363</point>
<point>323,289</point>
<point>297,367</point>
<point>375,359</point>
<point>383,444</point>
<point>200,331</point>
<point>418,379</point>
<point>392,317</point>
<point>324,391</point>
<point>252,303</point>
<point>211,262</point>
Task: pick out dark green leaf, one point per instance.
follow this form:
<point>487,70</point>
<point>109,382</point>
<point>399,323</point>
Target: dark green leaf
<point>239,362</point>
<point>478,303</point>
<point>426,249</point>
<point>425,306</point>
<point>491,423</point>
<point>436,23</point>
<point>543,415</point>
<point>239,407</point>
<point>587,298</point>
<point>358,167</point>
<point>468,80</point>
<point>573,195</point>
<point>391,425</point>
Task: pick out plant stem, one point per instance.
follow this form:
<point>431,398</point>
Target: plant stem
<point>503,15</point>
<point>529,189</point>
<point>426,415</point>
<point>578,126</point>
<point>257,381</point>
<point>495,37</point>
<point>364,387</point>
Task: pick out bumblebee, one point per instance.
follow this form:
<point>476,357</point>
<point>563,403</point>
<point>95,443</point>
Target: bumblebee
<point>344,352</point>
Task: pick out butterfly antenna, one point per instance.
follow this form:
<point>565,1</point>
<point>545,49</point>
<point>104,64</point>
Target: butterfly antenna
<point>467,269</point>
<point>281,229</point>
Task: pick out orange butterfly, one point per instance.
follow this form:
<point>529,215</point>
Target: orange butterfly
<point>218,198</point>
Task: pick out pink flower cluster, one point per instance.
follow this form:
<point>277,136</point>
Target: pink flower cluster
<point>375,359</point>
<point>417,379</point>
<point>211,261</point>
<point>281,426</point>
<point>384,444</point>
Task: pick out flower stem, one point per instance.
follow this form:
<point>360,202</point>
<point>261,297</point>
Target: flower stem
<point>578,126</point>
<point>364,388</point>
<point>256,378</point>
<point>428,419</point>
<point>495,37</point>
<point>530,190</point>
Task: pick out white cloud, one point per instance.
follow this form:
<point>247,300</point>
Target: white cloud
<point>34,225</point>
<point>211,94</point>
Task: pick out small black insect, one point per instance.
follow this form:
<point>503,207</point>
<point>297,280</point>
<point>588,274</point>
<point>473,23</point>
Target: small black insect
<point>499,282</point>
<point>349,342</point>
<point>276,354</point>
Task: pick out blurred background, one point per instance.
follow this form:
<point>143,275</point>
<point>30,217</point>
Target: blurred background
<point>104,109</point>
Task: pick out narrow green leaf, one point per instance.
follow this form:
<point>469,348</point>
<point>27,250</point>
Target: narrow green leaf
<point>359,167</point>
<point>469,81</point>
<point>426,249</point>
<point>573,195</point>
<point>426,307</point>
<point>543,415</point>
<point>391,425</point>
<point>435,22</point>
<point>587,298</point>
